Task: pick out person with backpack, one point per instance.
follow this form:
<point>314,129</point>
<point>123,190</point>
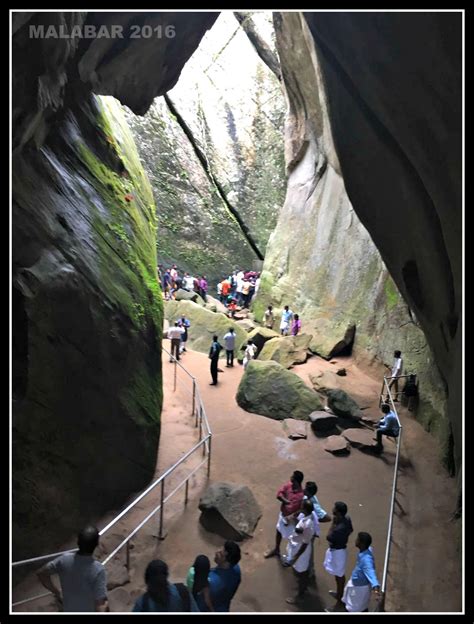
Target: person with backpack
<point>161,595</point>
<point>214,352</point>
<point>197,581</point>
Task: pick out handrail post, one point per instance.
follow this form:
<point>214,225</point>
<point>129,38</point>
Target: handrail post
<point>175,367</point>
<point>194,396</point>
<point>186,492</point>
<point>160,532</point>
<point>200,423</point>
<point>209,456</point>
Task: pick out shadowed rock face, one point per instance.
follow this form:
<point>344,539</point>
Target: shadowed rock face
<point>363,190</point>
<point>87,309</point>
<point>396,121</point>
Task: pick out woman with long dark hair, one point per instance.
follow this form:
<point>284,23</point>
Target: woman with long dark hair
<point>162,595</point>
<point>198,582</point>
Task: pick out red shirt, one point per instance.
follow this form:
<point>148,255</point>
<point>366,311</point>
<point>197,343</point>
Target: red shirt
<point>295,498</point>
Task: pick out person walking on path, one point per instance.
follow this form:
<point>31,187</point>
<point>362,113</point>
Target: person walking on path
<point>269,317</point>
<point>197,581</point>
<point>185,324</point>
<point>286,317</point>
<point>290,495</point>
<point>336,555</point>
<point>363,579</point>
<point>224,579</point>
<point>388,425</point>
<point>203,288</point>
<point>162,596</point>
<point>174,334</point>
<point>295,325</point>
<point>83,578</point>
<point>214,352</point>
<point>229,342</point>
<point>249,354</point>
<point>299,549</point>
<point>397,368</point>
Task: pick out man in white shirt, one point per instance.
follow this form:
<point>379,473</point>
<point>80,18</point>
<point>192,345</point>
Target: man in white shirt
<point>188,282</point>
<point>396,372</point>
<point>250,352</point>
<point>174,334</point>
<point>286,317</point>
<point>299,549</point>
<point>229,342</point>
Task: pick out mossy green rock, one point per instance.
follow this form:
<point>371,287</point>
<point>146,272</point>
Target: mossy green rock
<point>204,324</point>
<point>286,350</point>
<point>267,388</point>
<point>187,295</point>
<point>260,335</point>
<point>343,405</point>
<point>87,422</point>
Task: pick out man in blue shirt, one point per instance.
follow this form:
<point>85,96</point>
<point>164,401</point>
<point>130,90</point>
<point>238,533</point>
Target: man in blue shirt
<point>363,578</point>
<point>388,426</point>
<point>224,579</point>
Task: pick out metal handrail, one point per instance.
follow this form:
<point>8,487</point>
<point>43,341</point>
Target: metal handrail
<point>204,441</point>
<point>392,498</point>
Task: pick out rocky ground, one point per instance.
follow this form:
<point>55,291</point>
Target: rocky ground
<point>252,450</point>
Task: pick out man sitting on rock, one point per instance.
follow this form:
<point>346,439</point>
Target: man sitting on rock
<point>290,495</point>
<point>388,425</point>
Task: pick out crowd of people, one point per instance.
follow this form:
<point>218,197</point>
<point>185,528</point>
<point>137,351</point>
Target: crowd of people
<point>83,581</point>
<point>236,289</point>
<point>299,523</point>
<point>172,280</point>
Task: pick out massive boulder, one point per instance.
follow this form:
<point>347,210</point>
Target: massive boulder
<point>268,389</point>
<point>188,295</point>
<point>260,335</point>
<point>287,350</point>
<point>343,405</point>
<point>329,265</point>
<point>215,305</point>
<point>229,510</point>
<point>325,381</point>
<point>331,339</point>
<point>87,315</point>
<point>87,308</point>
<point>419,229</point>
<point>204,324</point>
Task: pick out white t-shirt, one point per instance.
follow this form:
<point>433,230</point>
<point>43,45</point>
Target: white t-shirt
<point>306,525</point>
<point>397,367</point>
<point>189,282</point>
<point>175,332</point>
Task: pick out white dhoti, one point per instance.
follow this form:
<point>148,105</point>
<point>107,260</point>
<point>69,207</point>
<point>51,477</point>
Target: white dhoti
<point>285,529</point>
<point>303,561</point>
<point>335,561</point>
<point>356,598</point>
<point>284,326</point>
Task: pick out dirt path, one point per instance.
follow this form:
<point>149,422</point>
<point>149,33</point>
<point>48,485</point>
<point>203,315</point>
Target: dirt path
<point>254,450</point>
